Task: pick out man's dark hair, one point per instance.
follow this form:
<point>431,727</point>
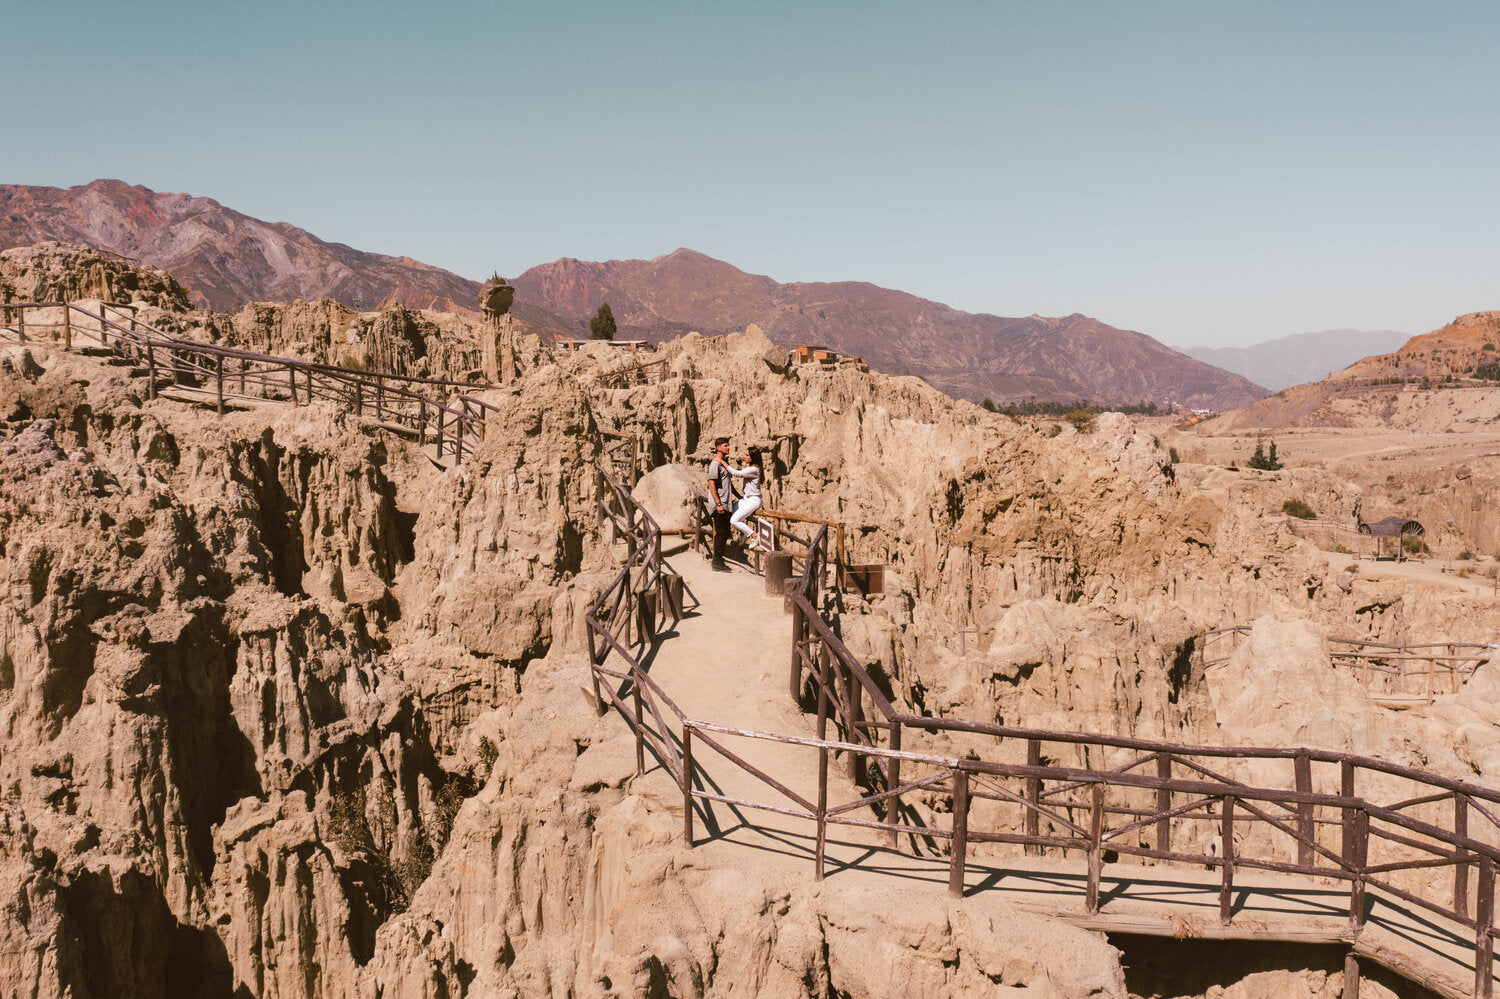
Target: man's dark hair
<point>720,440</point>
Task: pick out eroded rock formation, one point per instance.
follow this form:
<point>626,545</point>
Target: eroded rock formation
<point>286,709</point>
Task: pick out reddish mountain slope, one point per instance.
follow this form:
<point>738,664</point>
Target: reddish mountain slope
<point>972,355</point>
<point>221,254</point>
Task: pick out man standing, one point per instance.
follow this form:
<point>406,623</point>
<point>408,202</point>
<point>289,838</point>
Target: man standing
<point>721,494</point>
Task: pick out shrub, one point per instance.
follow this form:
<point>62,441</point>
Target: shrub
<point>1297,508</point>
<point>1465,555</point>
<point>346,819</point>
<point>1082,419</point>
<point>488,754</point>
<point>1413,546</point>
<point>1172,455</point>
<point>1054,430</point>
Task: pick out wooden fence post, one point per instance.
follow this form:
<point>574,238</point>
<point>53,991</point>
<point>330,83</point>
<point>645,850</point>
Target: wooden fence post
<point>1306,830</point>
<point>1346,789</point>
<point>1096,846</point>
<point>1461,869</point>
<point>640,726</point>
<point>219,380</point>
<point>959,853</point>
<point>150,372</point>
<point>67,326</point>
<point>687,785</point>
<point>1226,854</point>
<point>1032,819</point>
<point>1357,853</point>
<point>291,381</point>
<point>893,768</point>
<point>1484,944</point>
<point>1164,803</point>
<point>594,662</point>
<point>820,847</point>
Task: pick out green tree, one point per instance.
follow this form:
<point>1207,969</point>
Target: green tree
<point>1262,459</point>
<point>602,326</point>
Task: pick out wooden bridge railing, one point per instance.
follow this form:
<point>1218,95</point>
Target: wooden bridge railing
<point>455,423</point>
<point>1431,841</point>
<point>1388,669</point>
<point>623,620</point>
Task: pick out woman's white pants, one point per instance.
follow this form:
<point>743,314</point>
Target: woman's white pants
<point>743,509</point>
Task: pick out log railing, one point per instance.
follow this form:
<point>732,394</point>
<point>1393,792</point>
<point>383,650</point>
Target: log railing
<point>637,374</point>
<point>1394,672</point>
<point>432,409</point>
<point>1329,818</point>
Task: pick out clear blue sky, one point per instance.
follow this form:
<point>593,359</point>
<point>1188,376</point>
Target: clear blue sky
<point>1204,172</point>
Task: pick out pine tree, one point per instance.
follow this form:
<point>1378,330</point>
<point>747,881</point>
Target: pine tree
<point>1260,459</point>
<point>602,326</point>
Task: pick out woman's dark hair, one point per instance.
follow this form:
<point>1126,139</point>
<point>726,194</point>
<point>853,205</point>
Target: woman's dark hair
<point>755,458</point>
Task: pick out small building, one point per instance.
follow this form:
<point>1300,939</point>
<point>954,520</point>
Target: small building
<point>812,353</point>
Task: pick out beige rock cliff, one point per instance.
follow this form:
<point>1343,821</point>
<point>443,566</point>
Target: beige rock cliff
<point>287,709</point>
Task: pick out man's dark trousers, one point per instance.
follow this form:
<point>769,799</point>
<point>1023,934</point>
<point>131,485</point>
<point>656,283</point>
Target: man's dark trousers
<point>721,534</point>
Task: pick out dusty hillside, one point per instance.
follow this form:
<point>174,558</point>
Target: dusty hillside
<point>970,355</point>
<point>1407,390</point>
<point>1416,430</point>
<point>288,710</point>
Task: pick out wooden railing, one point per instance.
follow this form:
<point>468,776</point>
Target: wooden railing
<point>454,423</point>
<point>1327,817</point>
<point>1395,673</point>
<point>637,374</point>
<point>625,455</point>
<point>622,622</point>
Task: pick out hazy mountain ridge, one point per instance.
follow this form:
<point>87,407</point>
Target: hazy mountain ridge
<point>966,354</point>
<point>1434,381</point>
<point>1301,357</point>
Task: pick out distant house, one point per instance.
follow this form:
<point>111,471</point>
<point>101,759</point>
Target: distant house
<point>815,354</point>
<point>810,353</point>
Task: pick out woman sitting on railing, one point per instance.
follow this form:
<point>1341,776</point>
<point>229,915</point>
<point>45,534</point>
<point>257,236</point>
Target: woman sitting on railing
<point>750,502</point>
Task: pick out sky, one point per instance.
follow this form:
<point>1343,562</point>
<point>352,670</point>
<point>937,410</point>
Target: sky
<point>1209,173</point>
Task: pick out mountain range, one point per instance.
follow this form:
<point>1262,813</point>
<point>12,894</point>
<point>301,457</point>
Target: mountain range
<point>228,258</point>
<point>1301,357</point>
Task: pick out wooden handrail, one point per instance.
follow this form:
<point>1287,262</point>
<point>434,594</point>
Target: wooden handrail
<point>205,361</point>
